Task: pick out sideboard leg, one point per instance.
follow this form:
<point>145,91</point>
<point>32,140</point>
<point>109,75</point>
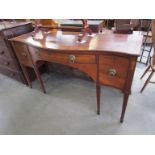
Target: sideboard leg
<point>98,92</point>
<point>26,76</point>
<point>39,79</point>
<point>125,102</point>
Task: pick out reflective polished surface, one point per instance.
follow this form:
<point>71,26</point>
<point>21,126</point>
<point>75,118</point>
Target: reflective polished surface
<point>108,58</point>
<point>106,41</point>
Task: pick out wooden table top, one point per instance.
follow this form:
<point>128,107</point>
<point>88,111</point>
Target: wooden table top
<point>106,41</point>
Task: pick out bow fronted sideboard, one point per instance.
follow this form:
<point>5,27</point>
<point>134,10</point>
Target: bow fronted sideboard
<point>108,58</point>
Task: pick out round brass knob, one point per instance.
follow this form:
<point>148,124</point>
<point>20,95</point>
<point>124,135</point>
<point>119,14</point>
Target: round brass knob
<point>112,72</point>
<point>72,59</point>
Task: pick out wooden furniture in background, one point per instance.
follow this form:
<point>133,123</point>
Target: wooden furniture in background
<point>109,59</point>
<point>95,25</point>
<point>45,26</point>
<point>147,47</point>
<point>44,22</point>
<point>152,68</point>
<point>123,26</point>
<point>8,62</point>
<point>152,61</point>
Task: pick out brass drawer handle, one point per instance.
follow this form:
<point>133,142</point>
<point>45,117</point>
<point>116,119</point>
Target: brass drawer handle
<point>24,54</point>
<point>2,52</point>
<point>112,72</point>
<point>72,59</point>
<point>7,63</point>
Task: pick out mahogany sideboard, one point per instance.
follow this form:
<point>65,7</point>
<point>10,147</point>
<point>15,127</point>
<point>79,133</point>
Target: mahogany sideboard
<point>108,58</point>
<point>9,64</point>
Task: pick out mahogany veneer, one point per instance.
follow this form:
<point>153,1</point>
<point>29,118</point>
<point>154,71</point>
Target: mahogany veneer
<point>108,58</point>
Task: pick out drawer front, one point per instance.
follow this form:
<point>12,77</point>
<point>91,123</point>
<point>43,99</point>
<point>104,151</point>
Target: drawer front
<point>10,73</point>
<point>22,53</point>
<point>113,70</point>
<point>2,42</point>
<point>4,52</point>
<point>67,58</point>
<point>83,62</point>
<point>7,63</point>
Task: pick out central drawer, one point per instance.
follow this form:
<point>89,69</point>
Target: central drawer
<point>67,58</point>
<point>81,61</point>
<point>113,70</point>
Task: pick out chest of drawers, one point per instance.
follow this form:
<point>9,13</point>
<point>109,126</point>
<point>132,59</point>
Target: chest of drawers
<point>8,62</point>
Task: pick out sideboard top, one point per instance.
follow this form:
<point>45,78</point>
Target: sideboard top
<point>105,41</point>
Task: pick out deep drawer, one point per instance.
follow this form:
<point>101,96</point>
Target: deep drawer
<point>22,53</point>
<point>113,70</point>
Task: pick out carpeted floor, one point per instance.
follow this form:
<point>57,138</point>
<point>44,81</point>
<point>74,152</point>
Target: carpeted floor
<point>69,107</point>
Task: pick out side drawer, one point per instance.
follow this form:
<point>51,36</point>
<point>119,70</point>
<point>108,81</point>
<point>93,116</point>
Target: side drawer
<point>113,70</point>
<point>22,53</point>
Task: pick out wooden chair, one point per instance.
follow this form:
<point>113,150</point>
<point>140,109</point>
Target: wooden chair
<point>152,67</point>
<point>152,61</point>
<point>146,46</point>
